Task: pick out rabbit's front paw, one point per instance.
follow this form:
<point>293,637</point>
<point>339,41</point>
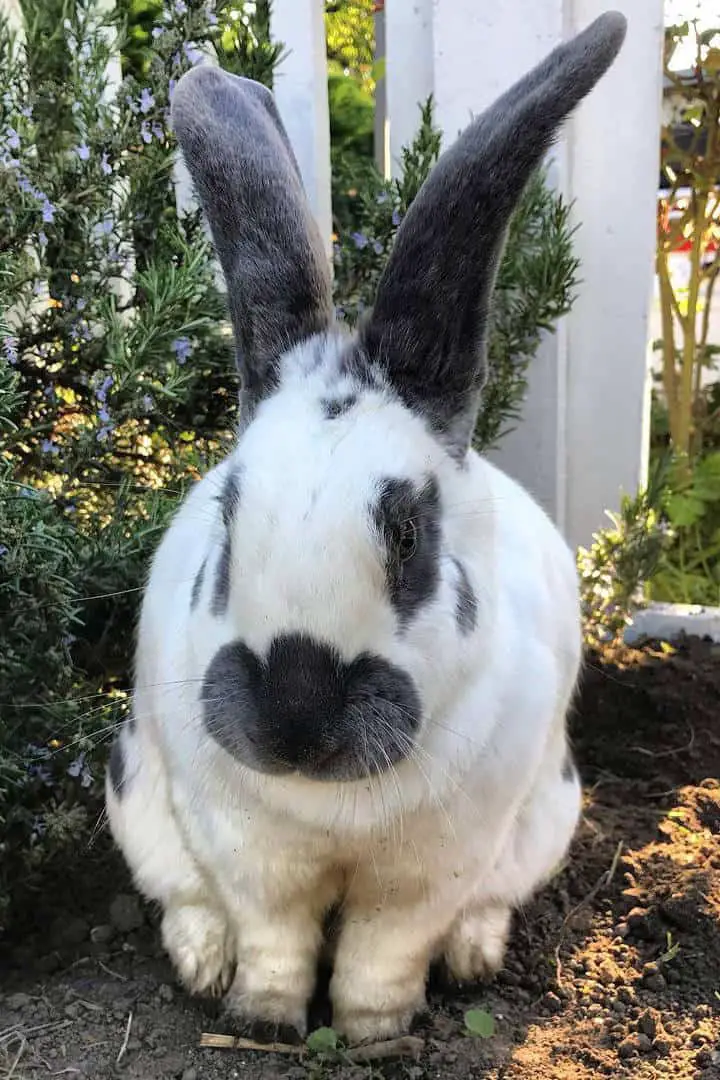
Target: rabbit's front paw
<point>201,946</point>
<point>475,947</point>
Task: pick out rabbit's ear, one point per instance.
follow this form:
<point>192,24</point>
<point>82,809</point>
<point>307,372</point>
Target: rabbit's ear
<point>268,243</point>
<point>428,329</point>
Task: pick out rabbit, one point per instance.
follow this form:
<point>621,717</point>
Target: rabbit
<point>359,640</point>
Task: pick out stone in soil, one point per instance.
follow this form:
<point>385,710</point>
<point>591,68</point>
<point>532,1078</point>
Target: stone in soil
<point>126,913</point>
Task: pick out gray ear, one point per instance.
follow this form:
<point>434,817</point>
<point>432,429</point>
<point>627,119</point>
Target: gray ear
<point>269,246</point>
<point>429,325</point>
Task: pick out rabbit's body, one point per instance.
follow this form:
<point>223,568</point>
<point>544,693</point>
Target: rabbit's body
<point>359,639</point>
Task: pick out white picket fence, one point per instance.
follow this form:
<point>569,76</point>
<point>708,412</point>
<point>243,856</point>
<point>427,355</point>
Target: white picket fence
<point>584,435</point>
<point>583,438</point>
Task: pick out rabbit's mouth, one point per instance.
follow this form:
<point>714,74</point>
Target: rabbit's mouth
<point>303,709</point>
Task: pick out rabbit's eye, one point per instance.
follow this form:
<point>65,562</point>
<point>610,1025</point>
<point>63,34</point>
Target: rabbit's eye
<point>407,540</point>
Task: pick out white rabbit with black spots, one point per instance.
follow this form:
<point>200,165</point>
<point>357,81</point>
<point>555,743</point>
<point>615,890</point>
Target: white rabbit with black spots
<point>359,640</point>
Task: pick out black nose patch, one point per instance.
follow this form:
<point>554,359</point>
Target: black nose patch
<point>302,708</point>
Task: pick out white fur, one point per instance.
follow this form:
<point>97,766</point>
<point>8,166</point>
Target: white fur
<point>428,858</point>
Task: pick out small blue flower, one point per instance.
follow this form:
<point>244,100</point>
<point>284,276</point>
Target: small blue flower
<point>81,303</point>
<point>42,237</point>
<point>83,151</point>
<point>49,391</point>
<point>396,218</point>
<point>182,348</point>
<point>3,550</point>
<point>13,139</point>
<point>180,7</point>
<point>193,54</point>
<point>157,31</point>
<point>104,415</point>
<point>105,165</point>
<point>101,392</point>
<point>48,213</point>
<point>382,198</point>
<point>359,239</point>
<point>48,447</point>
<point>104,434</point>
<point>158,132</point>
<point>10,349</point>
<point>212,18</point>
<point>377,247</point>
<point>145,132</point>
<point>171,88</point>
<point>146,100</point>
<point>148,403</point>
<point>27,112</point>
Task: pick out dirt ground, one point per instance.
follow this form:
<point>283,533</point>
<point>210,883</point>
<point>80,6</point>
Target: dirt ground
<point>614,970</point>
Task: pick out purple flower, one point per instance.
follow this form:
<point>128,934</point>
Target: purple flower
<point>10,349</point>
<point>359,240</point>
<point>382,198</point>
<point>171,88</point>
<point>83,151</point>
<point>104,434</point>
<point>157,31</point>
<point>48,212</point>
<point>75,107</point>
<point>101,392</point>
<point>25,185</point>
<point>182,348</point>
<point>158,132</point>
<point>212,18</point>
<point>180,7</point>
<point>42,237</point>
<point>396,218</point>
<point>81,303</point>
<point>148,403</point>
<point>3,550</point>
<point>49,391</point>
<point>105,165</point>
<point>27,112</point>
<point>192,52</point>
<point>13,139</point>
<point>145,132</point>
<point>79,767</point>
<point>377,247</point>
<point>146,100</point>
<point>104,415</point>
<point>48,447</point>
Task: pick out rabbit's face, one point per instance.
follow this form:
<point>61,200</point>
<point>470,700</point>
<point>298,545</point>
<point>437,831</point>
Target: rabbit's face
<point>331,577</point>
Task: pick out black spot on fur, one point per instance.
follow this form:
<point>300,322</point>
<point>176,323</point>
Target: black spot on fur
<point>334,407</point>
<point>466,605</point>
<point>568,767</point>
<point>230,497</point>
<point>221,585</point>
<point>116,765</point>
<point>413,582</point>
<point>302,708</point>
<point>197,585</point>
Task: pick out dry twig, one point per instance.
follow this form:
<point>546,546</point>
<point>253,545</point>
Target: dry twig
<point>126,1040</point>
<point>407,1046</point>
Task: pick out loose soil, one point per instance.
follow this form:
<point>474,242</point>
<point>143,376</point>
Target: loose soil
<point>613,971</point>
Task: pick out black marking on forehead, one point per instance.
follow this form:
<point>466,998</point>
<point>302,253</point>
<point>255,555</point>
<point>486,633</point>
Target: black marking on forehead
<point>116,765</point>
<point>334,407</point>
<point>197,585</point>
<point>221,585</point>
<point>411,583</point>
<point>466,603</point>
<point>229,497</point>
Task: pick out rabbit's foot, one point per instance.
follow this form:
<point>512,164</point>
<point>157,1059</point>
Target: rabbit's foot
<point>201,946</point>
<point>475,946</point>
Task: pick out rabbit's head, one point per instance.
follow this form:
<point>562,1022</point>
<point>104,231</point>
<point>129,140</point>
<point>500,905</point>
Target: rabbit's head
<point>338,588</point>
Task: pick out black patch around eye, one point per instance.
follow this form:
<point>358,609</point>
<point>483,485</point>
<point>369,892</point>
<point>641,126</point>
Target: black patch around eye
<point>466,605</point>
<point>334,407</point>
<point>116,765</point>
<point>197,585</point>
<point>229,497</point>
<point>221,585</point>
<point>412,554</point>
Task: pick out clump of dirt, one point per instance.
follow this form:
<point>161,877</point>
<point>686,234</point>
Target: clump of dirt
<point>613,970</point>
